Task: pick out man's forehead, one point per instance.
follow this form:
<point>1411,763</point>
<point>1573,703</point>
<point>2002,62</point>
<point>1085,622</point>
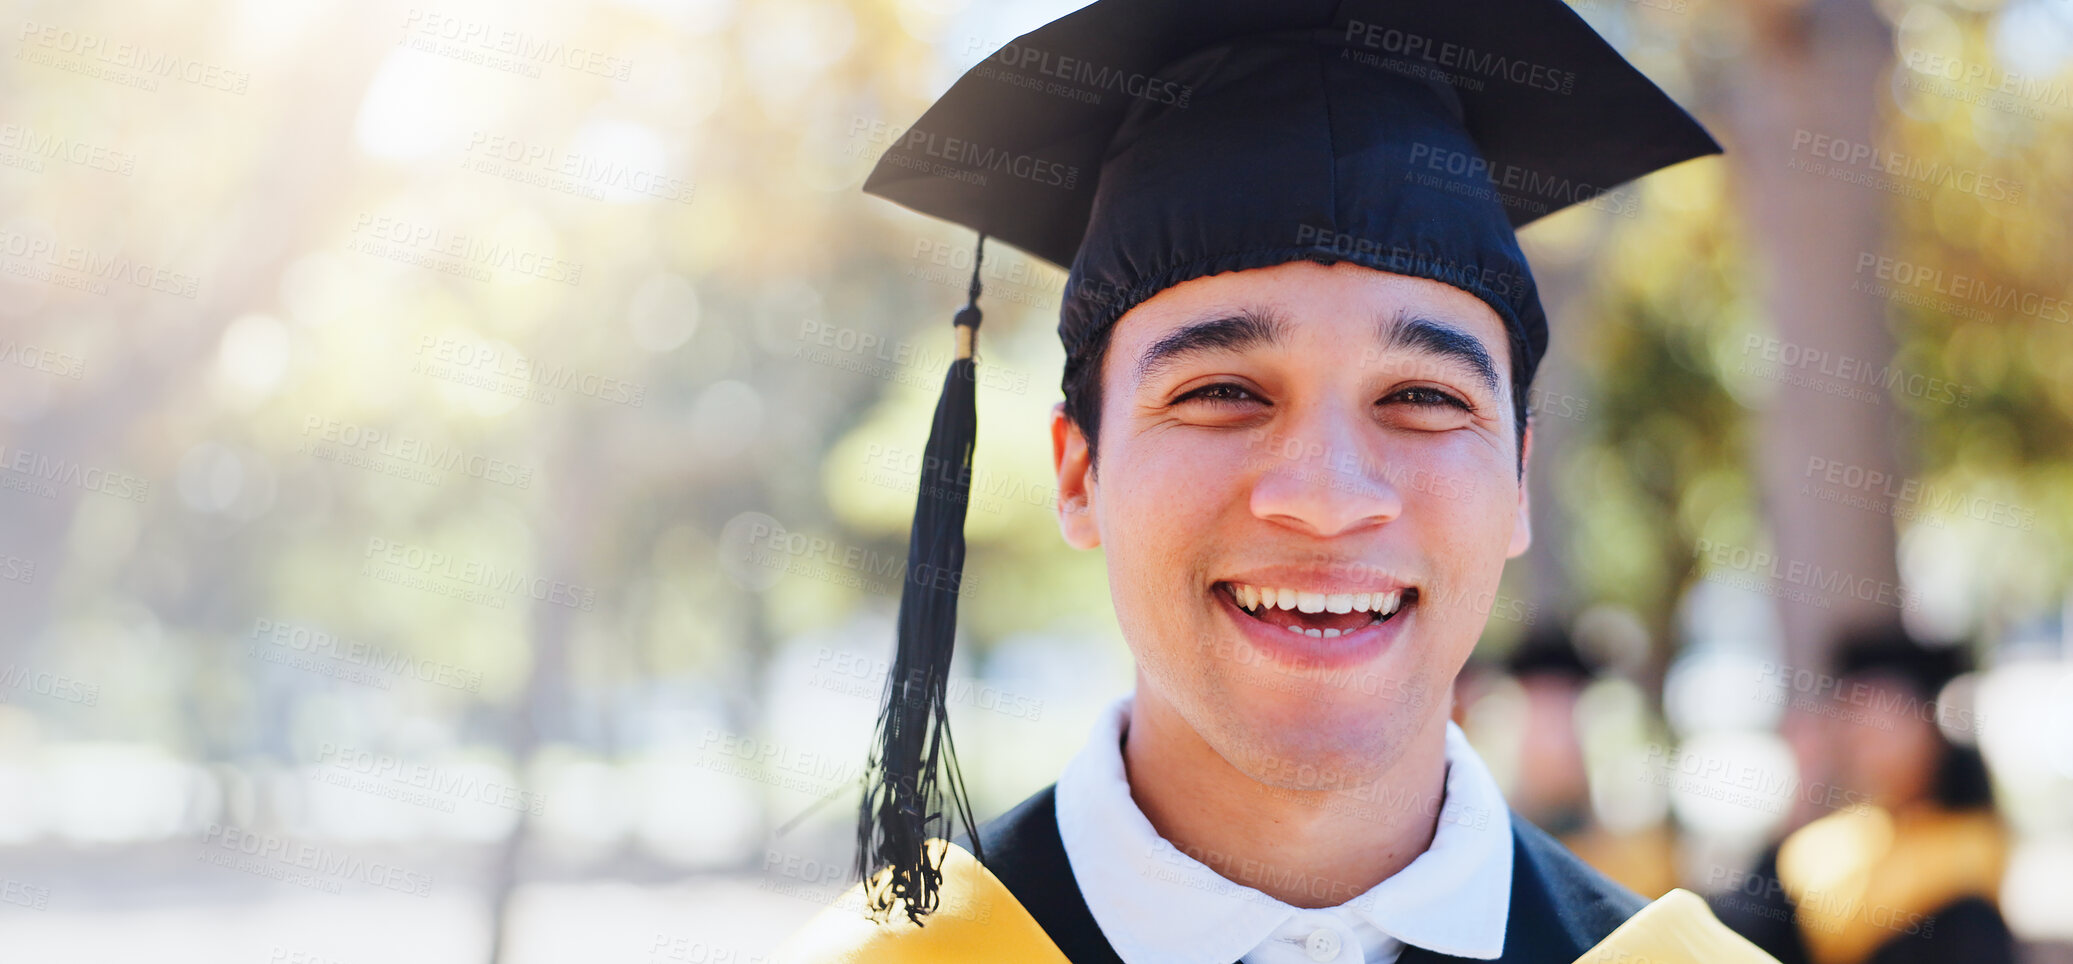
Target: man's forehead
<point>1306,288</point>
<point>1373,316</point>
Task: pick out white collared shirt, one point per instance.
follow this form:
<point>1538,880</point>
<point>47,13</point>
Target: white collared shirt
<point>1157,905</point>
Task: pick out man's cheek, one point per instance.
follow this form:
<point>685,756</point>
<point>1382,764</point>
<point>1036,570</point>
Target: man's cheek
<point>1480,505</point>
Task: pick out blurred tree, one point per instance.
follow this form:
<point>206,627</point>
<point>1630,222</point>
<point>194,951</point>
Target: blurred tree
<point>1813,68</point>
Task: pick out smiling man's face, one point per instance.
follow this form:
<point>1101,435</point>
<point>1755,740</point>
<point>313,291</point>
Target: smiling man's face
<point>1291,438</point>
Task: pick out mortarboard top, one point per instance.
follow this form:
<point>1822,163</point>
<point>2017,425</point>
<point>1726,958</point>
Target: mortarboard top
<point>1143,143</point>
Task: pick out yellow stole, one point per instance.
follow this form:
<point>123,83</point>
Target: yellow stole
<point>1859,878</point>
<point>977,919</point>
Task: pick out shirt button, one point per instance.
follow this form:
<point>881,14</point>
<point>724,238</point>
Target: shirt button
<point>1323,945</point>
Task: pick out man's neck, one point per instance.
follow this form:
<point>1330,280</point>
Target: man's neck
<point>1307,848</point>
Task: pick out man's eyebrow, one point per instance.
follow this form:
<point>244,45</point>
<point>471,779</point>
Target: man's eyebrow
<point>1424,336</point>
<point>1247,328</point>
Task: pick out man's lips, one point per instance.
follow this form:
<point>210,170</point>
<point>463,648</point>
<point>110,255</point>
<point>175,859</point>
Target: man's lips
<point>1318,615</point>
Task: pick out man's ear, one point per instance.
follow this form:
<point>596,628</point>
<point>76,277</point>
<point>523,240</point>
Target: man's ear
<point>1076,488</point>
<point>1522,528</point>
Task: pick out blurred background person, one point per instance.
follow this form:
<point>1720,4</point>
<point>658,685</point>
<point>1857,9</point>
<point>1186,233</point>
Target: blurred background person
<point>1535,712</point>
<point>1909,867</point>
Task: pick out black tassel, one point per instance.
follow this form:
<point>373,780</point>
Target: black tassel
<point>913,765</point>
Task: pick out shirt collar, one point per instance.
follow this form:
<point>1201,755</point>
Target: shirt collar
<point>1155,903</point>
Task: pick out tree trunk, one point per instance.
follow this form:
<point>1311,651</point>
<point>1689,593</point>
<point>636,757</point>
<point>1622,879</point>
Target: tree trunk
<point>1813,71</point>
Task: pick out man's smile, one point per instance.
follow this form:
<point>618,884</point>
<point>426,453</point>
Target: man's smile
<point>1319,615</point>
<point>1308,618</point>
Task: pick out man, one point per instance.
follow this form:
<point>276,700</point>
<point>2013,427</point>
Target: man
<point>1299,333</point>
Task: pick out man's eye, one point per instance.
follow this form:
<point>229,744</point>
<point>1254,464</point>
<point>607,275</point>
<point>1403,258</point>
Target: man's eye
<point>1221,393</point>
<point>1428,397</point>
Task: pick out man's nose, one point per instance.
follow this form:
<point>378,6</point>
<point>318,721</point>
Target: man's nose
<point>1320,476</point>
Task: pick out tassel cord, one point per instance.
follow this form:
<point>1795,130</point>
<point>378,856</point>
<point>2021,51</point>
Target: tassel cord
<point>913,765</point>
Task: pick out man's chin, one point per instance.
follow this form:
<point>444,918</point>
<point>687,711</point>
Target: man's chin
<point>1322,740</point>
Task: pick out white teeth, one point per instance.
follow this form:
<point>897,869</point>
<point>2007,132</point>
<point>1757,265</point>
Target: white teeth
<point>1314,633</point>
<point>1252,598</point>
<point>1298,630</point>
<point>1329,633</point>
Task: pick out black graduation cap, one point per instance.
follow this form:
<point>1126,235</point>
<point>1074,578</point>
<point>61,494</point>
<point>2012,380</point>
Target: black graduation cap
<point>1889,650</point>
<point>1549,649</point>
<point>1143,143</point>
